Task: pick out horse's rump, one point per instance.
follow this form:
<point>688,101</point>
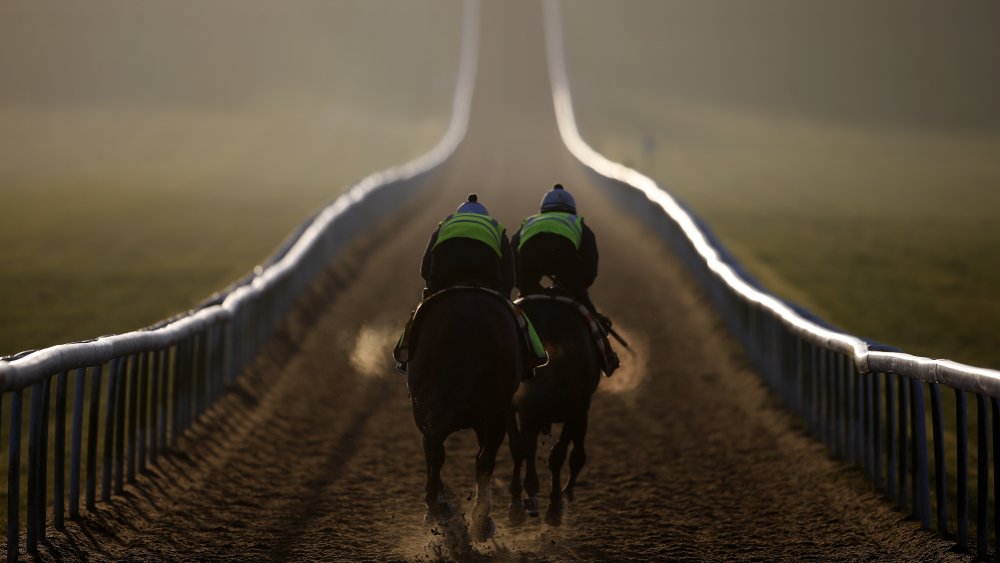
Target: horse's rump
<point>573,372</point>
<point>466,358</point>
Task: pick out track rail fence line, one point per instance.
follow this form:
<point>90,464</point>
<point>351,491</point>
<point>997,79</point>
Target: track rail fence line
<point>125,398</point>
<point>866,401</point>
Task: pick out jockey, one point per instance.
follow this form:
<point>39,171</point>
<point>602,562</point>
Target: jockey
<point>468,247</point>
<point>471,248</point>
<point>556,243</point>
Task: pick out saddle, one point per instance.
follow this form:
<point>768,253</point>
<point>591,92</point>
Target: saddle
<point>535,355</point>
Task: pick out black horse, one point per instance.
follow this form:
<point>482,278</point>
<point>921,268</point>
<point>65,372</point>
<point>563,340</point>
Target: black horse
<point>559,393</point>
<point>465,369</point>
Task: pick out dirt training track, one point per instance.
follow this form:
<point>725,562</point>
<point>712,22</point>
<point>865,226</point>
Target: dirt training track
<point>315,456</point>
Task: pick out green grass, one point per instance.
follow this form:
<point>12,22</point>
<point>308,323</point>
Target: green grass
<point>900,248</point>
<point>88,247</point>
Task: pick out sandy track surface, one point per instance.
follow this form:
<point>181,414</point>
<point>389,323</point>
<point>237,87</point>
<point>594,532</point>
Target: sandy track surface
<point>315,456</point>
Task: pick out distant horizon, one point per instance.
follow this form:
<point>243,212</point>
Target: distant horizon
<point>901,63</point>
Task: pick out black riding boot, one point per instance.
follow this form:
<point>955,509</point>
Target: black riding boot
<point>610,359</point>
<point>401,352</point>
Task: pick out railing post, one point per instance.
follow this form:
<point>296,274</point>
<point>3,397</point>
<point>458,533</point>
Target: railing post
<point>833,382</point>
<point>876,446</point>
<point>799,364</point>
<point>121,397</point>
<point>940,467</point>
<point>903,439</point>
<point>155,408</point>
<point>76,446</point>
<point>176,389</point>
<point>982,476</point>
<point>132,415</point>
<point>109,428</point>
<point>995,411</point>
<point>36,479</point>
<point>143,425</point>
<point>816,372</point>
<point>962,476</point>
<point>890,437</point>
<point>850,407</point>
<point>92,433</point>
<point>860,408</point>
<point>14,475</point>
<point>868,422</point>
<point>828,397</point>
<point>169,403</point>
<point>843,406</point>
<point>920,471</point>
<point>204,365</point>
<point>228,343</point>
<point>59,449</point>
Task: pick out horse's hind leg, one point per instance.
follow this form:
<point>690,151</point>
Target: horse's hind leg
<point>529,440</point>
<point>579,455</point>
<point>516,510</point>
<point>437,507</point>
<point>556,458</point>
<point>490,437</point>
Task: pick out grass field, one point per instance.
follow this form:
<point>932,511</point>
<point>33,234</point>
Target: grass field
<point>846,156</point>
<point>163,150</point>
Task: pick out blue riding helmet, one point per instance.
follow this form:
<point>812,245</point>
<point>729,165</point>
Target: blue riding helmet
<point>472,205</point>
<point>558,199</point>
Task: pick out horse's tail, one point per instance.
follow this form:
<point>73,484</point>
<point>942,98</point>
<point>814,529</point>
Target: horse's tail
<point>442,416</point>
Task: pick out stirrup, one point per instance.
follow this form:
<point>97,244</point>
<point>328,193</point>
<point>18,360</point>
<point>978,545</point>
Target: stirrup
<point>611,363</point>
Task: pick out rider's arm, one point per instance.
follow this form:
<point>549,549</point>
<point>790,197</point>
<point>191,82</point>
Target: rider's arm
<point>425,265</point>
<point>588,256</point>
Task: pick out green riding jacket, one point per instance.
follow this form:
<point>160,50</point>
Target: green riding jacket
<point>564,224</point>
<point>472,225</point>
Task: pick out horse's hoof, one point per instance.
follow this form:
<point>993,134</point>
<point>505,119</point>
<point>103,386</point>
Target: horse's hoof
<point>439,512</point>
<point>515,513</point>
<point>531,506</point>
<point>568,496</point>
<point>484,529</point>
<point>553,516</point>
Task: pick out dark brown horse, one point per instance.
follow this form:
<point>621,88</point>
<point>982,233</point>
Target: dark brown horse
<point>462,374</point>
<point>559,393</point>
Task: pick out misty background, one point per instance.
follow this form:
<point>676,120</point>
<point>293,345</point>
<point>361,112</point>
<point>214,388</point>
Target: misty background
<point>845,151</point>
<point>163,148</point>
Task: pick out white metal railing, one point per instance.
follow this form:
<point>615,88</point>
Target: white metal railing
<point>157,381</point>
<point>836,381</point>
